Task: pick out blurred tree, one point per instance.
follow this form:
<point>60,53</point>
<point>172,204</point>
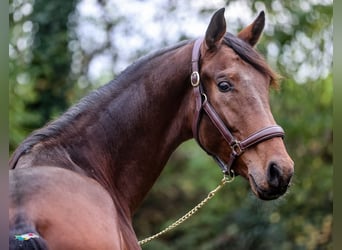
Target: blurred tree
<point>39,64</point>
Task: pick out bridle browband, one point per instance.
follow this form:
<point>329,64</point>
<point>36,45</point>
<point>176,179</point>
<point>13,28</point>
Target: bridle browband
<point>237,147</point>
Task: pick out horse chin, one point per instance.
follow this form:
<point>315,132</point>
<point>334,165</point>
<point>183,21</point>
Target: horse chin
<point>262,193</point>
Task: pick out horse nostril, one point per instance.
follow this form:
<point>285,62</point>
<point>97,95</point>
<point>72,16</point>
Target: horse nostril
<point>273,175</point>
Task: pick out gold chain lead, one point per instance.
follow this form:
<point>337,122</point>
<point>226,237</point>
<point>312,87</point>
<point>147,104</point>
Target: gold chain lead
<point>225,180</point>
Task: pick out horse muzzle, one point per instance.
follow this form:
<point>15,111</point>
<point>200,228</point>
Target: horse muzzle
<point>276,182</point>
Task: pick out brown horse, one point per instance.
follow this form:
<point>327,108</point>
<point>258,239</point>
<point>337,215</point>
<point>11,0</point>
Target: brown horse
<point>76,182</point>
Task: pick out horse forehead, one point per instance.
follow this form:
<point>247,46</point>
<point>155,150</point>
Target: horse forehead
<point>224,57</point>
<point>226,61</point>
<point>228,53</point>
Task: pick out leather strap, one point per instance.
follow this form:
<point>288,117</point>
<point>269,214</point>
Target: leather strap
<point>262,135</point>
<point>202,103</point>
<point>195,82</point>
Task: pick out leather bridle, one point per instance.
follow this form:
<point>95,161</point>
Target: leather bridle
<point>202,103</point>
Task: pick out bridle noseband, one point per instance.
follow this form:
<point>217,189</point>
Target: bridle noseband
<point>237,147</point>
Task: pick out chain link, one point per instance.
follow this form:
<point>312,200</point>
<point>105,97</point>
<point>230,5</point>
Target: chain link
<point>225,180</point>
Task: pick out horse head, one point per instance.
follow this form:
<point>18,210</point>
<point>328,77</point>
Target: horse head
<point>235,80</point>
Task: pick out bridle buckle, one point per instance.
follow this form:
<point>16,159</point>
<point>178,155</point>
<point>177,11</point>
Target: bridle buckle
<point>195,79</point>
<point>236,148</point>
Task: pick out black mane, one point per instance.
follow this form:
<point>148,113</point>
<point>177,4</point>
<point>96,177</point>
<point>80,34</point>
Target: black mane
<point>112,89</point>
<point>106,92</point>
<point>251,56</point>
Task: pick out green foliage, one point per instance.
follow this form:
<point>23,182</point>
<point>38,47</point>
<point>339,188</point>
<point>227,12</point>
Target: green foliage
<point>42,85</point>
<point>39,64</point>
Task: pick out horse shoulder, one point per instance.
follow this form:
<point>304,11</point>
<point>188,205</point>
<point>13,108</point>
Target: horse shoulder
<point>70,211</point>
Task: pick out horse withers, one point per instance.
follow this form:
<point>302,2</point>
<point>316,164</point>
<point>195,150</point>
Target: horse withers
<point>76,182</point>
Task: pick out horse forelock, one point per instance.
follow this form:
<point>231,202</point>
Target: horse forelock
<point>251,56</point>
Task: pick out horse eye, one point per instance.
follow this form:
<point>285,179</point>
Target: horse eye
<point>225,86</point>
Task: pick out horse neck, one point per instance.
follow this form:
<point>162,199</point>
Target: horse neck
<point>144,124</point>
<point>122,134</point>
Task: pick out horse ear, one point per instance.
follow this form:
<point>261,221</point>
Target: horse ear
<point>215,30</point>
<point>252,32</point>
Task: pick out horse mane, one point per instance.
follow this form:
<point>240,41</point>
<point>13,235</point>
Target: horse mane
<point>251,56</point>
<point>106,92</point>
